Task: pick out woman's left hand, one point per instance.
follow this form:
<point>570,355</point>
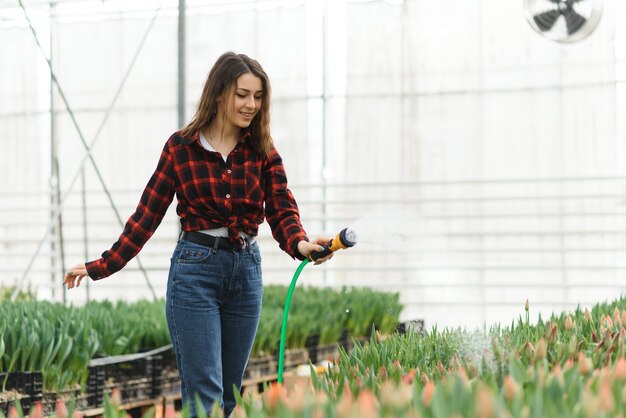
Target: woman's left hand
<point>307,248</point>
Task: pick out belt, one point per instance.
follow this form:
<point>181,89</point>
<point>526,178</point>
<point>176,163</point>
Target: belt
<point>210,241</point>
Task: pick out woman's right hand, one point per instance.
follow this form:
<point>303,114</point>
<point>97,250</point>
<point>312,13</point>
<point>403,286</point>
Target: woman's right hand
<point>74,276</point>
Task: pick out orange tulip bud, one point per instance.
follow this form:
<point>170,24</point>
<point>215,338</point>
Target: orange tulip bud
<point>510,387</point>
<point>607,401</point>
<point>427,395</point>
<point>620,369</point>
<point>485,403</point>
<point>584,364</point>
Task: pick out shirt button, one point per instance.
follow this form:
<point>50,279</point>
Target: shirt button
<point>228,196</point>
<point>228,171</point>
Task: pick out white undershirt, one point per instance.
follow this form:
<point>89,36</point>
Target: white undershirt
<point>223,231</point>
<point>208,146</point>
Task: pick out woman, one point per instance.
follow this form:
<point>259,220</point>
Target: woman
<point>227,176</point>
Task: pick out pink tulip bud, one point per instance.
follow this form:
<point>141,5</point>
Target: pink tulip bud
<point>116,396</point>
<point>170,412</point>
<point>37,410</point>
<point>617,316</point>
<point>13,412</point>
<point>623,319</point>
<point>60,409</point>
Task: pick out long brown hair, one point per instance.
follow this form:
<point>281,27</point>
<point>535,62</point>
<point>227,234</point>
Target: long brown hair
<point>221,81</point>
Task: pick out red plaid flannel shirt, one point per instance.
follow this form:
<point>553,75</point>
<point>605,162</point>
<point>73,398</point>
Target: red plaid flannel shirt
<point>211,193</point>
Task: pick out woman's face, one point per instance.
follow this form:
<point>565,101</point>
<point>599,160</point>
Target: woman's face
<point>244,102</point>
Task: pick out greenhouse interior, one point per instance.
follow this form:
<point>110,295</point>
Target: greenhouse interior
<point>475,267</point>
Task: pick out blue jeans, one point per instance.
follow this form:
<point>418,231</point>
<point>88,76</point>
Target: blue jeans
<point>213,309</point>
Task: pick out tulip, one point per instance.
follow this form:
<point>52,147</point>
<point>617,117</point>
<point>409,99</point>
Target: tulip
<point>485,403</point>
<point>37,411</point>
<point>526,306</point>
<point>569,323</point>
<point>557,373</point>
<point>367,404</point>
<point>510,387</point>
<point>238,412</point>
<point>587,315</point>
<point>541,351</point>
<point>395,396</point>
<point>620,369</point>
<point>529,349</point>
<point>554,335</point>
<point>462,373</point>
<point>116,396</point>
<point>617,316</point>
<point>296,401</point>
<point>607,401</point>
<point>60,409</point>
<point>623,319</point>
<point>382,373</point>
<point>407,378</point>
<point>274,395</point>
<point>170,412</point>
<point>584,364</point>
<point>440,368</point>
<point>13,412</point>
<point>427,395</point>
<point>345,405</point>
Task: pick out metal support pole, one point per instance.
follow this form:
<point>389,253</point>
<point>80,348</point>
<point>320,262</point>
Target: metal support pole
<point>181,62</point>
<point>85,239</point>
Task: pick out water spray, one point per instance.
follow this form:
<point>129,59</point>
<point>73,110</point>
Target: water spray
<point>346,238</point>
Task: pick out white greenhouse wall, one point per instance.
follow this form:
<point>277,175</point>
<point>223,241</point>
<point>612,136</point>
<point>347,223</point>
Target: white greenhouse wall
<point>481,164</point>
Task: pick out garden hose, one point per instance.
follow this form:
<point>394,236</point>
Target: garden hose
<point>346,238</point>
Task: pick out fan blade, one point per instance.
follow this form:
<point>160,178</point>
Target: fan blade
<point>546,20</point>
<point>573,20</point>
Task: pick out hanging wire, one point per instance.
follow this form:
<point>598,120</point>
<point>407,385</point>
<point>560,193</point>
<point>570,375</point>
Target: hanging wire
<point>88,148</point>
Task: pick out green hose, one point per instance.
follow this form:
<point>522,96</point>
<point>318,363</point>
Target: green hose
<point>283,330</point>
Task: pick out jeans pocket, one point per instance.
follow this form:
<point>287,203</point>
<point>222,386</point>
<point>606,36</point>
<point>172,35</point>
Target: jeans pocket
<point>192,253</point>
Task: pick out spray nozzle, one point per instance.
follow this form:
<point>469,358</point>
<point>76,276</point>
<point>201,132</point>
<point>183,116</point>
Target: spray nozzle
<point>346,238</point>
